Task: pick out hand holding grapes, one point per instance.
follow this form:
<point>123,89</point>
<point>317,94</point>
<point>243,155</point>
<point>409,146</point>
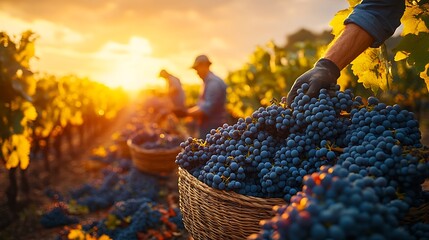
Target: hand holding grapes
<point>324,74</point>
<point>352,42</point>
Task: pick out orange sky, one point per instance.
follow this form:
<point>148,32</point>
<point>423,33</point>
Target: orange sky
<point>126,43</point>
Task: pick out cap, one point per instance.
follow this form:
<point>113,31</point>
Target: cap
<point>201,59</point>
<point>163,73</point>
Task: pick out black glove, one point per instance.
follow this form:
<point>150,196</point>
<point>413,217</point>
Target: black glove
<point>180,113</point>
<point>324,74</point>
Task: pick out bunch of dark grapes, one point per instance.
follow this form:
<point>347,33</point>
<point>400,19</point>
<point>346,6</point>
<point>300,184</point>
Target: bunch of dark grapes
<point>135,216</point>
<point>163,141</point>
<point>336,204</point>
<point>58,215</point>
<point>116,187</point>
<point>156,138</point>
<point>268,153</point>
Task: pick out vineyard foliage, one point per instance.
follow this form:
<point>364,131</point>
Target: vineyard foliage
<point>373,67</point>
<point>396,71</point>
<point>271,71</point>
<point>16,110</point>
<point>36,106</point>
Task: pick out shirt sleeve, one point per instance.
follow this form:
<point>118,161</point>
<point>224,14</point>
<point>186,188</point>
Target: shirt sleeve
<point>379,18</point>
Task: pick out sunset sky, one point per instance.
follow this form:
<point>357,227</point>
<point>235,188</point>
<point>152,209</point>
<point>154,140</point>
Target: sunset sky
<point>126,43</point>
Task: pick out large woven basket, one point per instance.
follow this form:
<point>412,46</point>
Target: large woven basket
<point>210,213</point>
<point>153,161</point>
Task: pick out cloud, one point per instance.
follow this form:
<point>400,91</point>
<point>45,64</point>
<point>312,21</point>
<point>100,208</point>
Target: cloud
<point>51,32</point>
<point>227,30</point>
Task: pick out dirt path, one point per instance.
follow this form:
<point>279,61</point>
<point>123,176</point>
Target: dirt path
<point>75,171</point>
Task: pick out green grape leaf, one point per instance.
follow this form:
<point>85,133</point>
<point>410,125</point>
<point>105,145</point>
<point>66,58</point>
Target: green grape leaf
<point>17,117</point>
<point>417,49</point>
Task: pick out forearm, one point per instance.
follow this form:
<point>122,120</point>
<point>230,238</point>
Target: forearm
<point>195,112</point>
<point>350,44</point>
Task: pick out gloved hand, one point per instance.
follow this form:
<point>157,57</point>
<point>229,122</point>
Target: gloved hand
<point>180,113</point>
<point>324,74</point>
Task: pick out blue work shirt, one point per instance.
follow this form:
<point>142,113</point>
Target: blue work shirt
<point>212,102</point>
<point>176,93</point>
<point>379,18</point>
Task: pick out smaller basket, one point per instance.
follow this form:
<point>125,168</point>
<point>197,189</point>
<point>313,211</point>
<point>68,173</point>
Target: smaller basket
<point>153,161</point>
<point>210,213</point>
<point>123,149</point>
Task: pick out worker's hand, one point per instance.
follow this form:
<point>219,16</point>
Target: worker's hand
<point>324,74</point>
<point>180,113</point>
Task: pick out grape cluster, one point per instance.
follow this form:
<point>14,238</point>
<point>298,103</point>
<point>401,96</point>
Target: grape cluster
<point>268,154</point>
<point>337,204</point>
<point>155,138</point>
<point>133,216</point>
<point>116,187</point>
<point>137,218</point>
<point>57,216</point>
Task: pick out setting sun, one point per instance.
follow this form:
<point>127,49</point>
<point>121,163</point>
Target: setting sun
<point>128,65</point>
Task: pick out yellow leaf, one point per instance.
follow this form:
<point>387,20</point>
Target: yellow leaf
<point>30,112</point>
<point>89,237</point>
<point>337,23</point>
<point>413,25</point>
<point>400,56</point>
<point>23,149</point>
<point>353,3</point>
<point>12,160</point>
<point>371,70</point>
<point>6,147</point>
<point>77,119</point>
<point>76,234</point>
<point>104,237</point>
<point>344,80</point>
<point>16,150</point>
<point>425,75</point>
<point>99,151</point>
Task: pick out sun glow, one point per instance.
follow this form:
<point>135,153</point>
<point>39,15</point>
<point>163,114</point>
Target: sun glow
<point>130,65</point>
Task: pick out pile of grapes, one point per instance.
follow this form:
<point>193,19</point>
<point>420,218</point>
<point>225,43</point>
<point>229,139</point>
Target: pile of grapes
<point>155,138</point>
<point>377,165</point>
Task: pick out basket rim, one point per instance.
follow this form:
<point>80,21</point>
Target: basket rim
<point>250,201</point>
<point>137,148</point>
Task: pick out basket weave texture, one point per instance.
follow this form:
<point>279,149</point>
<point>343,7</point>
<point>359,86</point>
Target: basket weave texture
<point>153,161</point>
<point>210,213</point>
<point>417,214</point>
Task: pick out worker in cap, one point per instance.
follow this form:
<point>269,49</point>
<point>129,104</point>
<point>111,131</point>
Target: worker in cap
<point>210,111</point>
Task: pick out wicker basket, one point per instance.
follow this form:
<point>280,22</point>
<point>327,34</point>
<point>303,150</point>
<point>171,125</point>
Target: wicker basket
<point>417,214</point>
<point>123,149</point>
<point>209,213</point>
<point>153,161</point>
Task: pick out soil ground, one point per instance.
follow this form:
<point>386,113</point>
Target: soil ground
<point>74,171</point>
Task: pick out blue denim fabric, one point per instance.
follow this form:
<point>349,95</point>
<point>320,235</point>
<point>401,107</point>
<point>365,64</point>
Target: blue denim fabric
<point>379,18</point>
<point>212,102</point>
